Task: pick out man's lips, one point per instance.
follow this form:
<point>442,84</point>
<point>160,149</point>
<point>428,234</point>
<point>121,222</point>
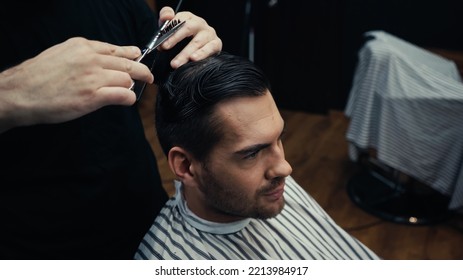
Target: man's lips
<point>276,193</point>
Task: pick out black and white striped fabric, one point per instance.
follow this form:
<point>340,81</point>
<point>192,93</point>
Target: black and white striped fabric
<point>407,104</point>
<point>303,230</point>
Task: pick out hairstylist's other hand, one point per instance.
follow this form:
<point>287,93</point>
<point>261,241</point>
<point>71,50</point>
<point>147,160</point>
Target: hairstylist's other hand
<point>204,42</point>
<point>67,81</point>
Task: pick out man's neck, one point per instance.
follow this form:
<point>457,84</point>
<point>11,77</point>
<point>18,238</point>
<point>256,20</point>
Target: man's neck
<point>197,204</point>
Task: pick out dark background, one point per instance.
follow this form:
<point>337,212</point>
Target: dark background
<point>309,48</point>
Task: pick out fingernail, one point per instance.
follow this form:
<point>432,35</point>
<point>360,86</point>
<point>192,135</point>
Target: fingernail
<point>136,51</point>
<point>175,63</point>
<point>166,45</point>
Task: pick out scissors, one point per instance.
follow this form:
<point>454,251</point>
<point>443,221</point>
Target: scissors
<point>166,31</point>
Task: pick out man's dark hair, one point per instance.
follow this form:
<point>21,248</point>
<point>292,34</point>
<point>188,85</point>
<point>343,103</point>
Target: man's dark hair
<point>186,100</point>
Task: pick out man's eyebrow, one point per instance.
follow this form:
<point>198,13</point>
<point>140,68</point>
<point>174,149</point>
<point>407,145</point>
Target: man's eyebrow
<point>251,149</point>
<point>258,147</point>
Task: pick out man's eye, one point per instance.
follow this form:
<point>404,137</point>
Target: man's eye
<point>251,155</point>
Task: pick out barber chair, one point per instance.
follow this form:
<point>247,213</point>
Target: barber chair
<point>405,132</point>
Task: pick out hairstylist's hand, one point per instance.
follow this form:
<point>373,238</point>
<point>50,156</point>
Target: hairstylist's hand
<point>67,81</point>
<point>204,42</point>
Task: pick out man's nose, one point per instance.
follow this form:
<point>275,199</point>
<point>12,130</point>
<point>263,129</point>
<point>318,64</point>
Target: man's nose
<point>279,167</point>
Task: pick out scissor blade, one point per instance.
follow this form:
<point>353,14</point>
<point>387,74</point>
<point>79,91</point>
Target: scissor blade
<point>166,31</point>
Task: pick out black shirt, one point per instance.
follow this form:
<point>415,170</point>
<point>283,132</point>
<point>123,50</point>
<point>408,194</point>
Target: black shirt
<point>88,188</point>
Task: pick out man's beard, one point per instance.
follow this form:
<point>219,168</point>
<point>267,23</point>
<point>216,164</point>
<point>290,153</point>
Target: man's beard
<point>227,199</point>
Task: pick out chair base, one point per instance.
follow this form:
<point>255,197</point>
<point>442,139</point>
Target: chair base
<point>395,202</point>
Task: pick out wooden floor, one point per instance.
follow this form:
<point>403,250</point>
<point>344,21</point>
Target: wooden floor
<point>315,146</point>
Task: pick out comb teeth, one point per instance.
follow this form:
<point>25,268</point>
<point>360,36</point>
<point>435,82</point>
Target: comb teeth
<point>167,31</point>
<point>169,26</point>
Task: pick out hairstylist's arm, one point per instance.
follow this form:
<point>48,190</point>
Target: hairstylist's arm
<point>204,42</point>
<point>67,81</point>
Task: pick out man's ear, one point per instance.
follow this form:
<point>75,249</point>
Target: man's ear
<point>180,162</point>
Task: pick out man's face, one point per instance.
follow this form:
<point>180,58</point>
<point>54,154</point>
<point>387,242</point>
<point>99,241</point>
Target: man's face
<point>245,173</point>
